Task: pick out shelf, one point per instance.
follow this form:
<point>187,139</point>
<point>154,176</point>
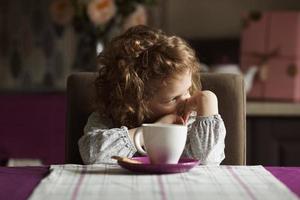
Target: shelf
<point>288,109</point>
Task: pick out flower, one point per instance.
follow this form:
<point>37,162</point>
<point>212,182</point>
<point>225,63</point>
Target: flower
<point>106,18</point>
<point>101,11</point>
<point>61,12</point>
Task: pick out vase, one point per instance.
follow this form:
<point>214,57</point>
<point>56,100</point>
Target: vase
<point>99,46</point>
<point>86,50</point>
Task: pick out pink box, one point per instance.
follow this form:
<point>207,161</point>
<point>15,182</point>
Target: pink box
<point>274,31</point>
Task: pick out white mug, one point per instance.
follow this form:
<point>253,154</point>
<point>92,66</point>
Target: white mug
<point>164,143</point>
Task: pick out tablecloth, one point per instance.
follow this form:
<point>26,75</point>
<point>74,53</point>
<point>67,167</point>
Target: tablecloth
<point>206,182</point>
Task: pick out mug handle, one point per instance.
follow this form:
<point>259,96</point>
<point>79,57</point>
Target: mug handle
<point>137,141</point>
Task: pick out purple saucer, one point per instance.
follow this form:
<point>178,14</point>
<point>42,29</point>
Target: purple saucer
<point>184,165</point>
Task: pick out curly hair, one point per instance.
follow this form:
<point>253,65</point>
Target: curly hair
<point>133,66</point>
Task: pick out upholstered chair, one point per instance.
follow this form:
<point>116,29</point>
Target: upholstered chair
<point>229,89</point>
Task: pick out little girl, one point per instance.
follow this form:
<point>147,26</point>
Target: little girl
<point>147,76</point>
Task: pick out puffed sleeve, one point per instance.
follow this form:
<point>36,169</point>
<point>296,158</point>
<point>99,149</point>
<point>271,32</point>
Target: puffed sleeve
<point>206,139</point>
<point>100,142</point>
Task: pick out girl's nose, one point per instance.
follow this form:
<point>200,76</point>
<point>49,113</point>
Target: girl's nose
<point>185,96</point>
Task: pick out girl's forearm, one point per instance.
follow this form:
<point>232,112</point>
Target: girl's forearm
<point>208,104</point>
<point>205,103</point>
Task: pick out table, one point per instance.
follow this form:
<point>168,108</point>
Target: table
<point>18,182</point>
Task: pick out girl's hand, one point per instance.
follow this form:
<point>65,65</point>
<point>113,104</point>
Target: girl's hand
<point>205,103</point>
<point>171,119</point>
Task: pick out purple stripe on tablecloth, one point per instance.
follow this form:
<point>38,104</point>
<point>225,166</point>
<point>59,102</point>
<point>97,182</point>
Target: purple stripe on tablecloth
<point>289,176</point>
<point>161,188</point>
<point>17,183</point>
<point>241,182</point>
<point>79,182</point>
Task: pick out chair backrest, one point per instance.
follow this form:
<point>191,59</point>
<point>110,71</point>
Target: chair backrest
<point>229,89</point>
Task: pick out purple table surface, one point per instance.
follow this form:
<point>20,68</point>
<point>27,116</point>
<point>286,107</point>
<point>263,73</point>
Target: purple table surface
<point>290,176</point>
<point>17,183</point>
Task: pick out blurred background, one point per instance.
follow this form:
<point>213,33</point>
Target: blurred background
<point>42,42</point>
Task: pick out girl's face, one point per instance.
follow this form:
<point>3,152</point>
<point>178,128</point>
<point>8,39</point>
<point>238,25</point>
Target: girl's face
<point>171,96</point>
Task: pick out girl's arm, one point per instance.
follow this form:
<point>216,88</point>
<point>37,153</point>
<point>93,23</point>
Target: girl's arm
<point>100,141</point>
<point>205,103</point>
<point>206,129</point>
